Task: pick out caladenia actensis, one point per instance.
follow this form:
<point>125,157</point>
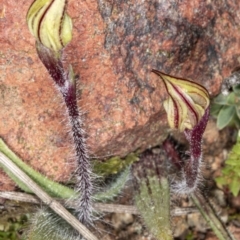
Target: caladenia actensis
<point>52,28</point>
<point>187,108</point>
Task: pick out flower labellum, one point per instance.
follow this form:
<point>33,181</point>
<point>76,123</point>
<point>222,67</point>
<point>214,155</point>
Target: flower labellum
<point>186,103</point>
<point>49,24</point>
<point>187,110</point>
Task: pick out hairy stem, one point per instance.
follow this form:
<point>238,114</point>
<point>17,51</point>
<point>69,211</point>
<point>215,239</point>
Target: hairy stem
<point>192,168</point>
<point>84,183</point>
<point>65,82</point>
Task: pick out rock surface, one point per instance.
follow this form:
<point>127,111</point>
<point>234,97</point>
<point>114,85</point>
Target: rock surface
<point>115,46</point>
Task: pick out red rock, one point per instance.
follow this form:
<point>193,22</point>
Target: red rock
<point>114,48</point>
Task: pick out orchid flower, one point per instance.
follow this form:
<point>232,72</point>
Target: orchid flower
<point>52,27</point>
<point>49,23</point>
<point>187,108</point>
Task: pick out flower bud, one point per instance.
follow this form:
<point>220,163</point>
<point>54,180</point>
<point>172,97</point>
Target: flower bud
<point>49,24</point>
<point>186,103</point>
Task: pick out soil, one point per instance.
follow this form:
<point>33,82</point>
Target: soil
<point>125,226</point>
<point>216,146</point>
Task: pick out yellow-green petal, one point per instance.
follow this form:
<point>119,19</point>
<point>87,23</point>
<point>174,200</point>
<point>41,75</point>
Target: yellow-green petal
<point>186,103</point>
<point>49,24</point>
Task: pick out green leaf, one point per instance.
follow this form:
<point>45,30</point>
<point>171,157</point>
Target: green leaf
<point>225,100</point>
<point>215,109</point>
<point>231,99</point>
<point>236,120</point>
<point>221,181</point>
<point>237,107</point>
<point>236,90</point>
<point>233,162</point>
<point>231,172</point>
<point>152,201</point>
<point>236,151</point>
<point>225,116</point>
<point>220,99</point>
<point>235,186</point>
<point>227,170</point>
<point>115,187</point>
<point>54,189</point>
<point>46,224</point>
<point>114,165</point>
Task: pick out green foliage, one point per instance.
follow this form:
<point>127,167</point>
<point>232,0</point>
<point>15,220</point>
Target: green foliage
<point>115,187</point>
<point>153,203</point>
<point>227,109</point>
<point>46,224</point>
<point>231,172</point>
<point>190,236</point>
<point>114,165</point>
<point>10,229</point>
<point>54,189</point>
<point>152,192</point>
